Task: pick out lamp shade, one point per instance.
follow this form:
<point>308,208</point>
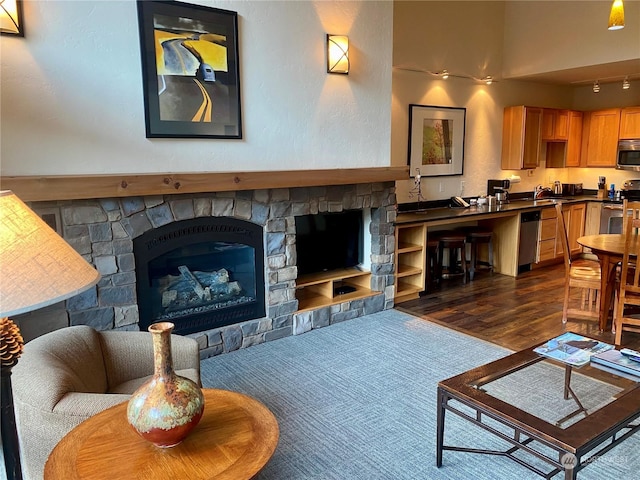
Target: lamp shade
<point>616,17</point>
<point>37,266</point>
<point>338,54</point>
<point>11,17</point>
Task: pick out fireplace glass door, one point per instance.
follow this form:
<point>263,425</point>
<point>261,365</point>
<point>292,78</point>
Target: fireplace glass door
<point>200,274</point>
<point>201,278</point>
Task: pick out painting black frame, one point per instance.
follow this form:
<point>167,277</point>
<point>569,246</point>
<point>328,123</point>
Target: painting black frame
<point>417,116</point>
<point>171,119</point>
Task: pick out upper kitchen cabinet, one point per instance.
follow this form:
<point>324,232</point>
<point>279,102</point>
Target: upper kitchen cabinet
<point>600,138</point>
<point>566,153</point>
<point>630,123</point>
<point>574,142</point>
<point>555,125</point>
<point>521,137</point>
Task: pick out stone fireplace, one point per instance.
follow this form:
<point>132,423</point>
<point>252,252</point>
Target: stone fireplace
<point>255,236</point>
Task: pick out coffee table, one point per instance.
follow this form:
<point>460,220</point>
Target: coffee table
<point>234,440</point>
<point>497,398</point>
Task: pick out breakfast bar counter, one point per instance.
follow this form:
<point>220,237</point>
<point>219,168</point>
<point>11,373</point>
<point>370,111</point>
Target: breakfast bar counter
<point>445,215</point>
<point>504,221</point>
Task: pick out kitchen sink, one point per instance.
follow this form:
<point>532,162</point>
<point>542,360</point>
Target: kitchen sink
<point>544,201</point>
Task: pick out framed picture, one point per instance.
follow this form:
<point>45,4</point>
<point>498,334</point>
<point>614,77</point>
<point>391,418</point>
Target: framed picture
<point>436,140</point>
<point>190,70</point>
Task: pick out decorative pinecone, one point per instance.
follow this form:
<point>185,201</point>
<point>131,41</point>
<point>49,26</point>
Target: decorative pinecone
<point>11,343</point>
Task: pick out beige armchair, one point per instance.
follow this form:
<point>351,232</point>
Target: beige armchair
<point>66,376</point>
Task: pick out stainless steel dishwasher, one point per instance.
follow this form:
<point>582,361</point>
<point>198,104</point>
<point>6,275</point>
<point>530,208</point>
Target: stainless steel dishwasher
<point>528,246</point>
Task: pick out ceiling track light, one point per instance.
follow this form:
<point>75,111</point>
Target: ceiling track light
<point>445,74</point>
<point>626,84</point>
<point>596,87</point>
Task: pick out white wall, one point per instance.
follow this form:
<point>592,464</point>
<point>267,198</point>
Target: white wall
<point>483,141</point>
<point>72,98</point>
<point>546,36</point>
<point>479,51</point>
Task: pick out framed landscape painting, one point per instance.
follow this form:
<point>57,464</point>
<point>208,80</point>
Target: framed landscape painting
<point>190,70</point>
<point>436,140</point>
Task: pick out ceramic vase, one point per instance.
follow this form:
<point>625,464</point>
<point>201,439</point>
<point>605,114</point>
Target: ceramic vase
<point>167,407</point>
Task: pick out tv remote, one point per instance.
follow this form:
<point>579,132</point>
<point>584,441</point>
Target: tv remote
<point>632,354</point>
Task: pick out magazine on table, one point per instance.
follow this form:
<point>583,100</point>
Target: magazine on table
<point>614,359</point>
<point>572,348</point>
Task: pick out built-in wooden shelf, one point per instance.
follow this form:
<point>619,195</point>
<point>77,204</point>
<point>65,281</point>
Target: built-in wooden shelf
<point>410,261</point>
<point>76,187</point>
<point>319,289</point>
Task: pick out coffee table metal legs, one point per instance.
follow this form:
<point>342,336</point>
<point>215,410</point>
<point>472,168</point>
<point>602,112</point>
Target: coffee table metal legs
<point>568,392</point>
<point>442,400</point>
<point>520,440</point>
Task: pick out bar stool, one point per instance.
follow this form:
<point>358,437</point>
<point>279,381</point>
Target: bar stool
<point>456,243</point>
<point>476,236</point>
<point>432,279</point>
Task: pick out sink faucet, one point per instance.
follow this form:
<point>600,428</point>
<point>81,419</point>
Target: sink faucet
<point>537,191</point>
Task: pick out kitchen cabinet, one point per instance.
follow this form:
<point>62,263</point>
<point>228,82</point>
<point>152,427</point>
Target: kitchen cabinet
<point>410,261</point>
<point>592,222</point>
<point>555,124</point>
<point>629,123</point>
<point>547,234</point>
<point>567,153</point>
<point>600,138</point>
<point>574,142</point>
<point>521,137</point>
<point>574,220</point>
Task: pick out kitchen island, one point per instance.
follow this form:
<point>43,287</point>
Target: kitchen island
<point>504,220</point>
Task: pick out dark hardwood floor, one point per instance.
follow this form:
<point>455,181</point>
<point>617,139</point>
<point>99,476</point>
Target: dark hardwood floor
<point>515,313</point>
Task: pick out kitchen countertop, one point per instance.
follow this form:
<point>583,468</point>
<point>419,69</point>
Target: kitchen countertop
<point>514,206</point>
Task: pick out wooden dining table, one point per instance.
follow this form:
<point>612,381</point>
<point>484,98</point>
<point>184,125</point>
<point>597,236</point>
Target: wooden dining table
<point>609,248</point>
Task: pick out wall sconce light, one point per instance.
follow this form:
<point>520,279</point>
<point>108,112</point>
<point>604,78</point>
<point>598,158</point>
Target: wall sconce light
<point>338,54</point>
<point>626,84</point>
<point>11,22</point>
<point>616,17</point>
<point>596,87</point>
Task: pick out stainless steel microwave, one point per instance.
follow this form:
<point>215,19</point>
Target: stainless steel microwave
<point>629,155</point>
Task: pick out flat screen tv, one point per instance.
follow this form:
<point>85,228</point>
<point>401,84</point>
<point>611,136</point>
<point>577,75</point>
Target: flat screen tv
<point>329,241</point>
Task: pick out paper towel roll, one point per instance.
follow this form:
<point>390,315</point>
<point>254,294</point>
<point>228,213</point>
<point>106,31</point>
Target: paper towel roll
<point>514,178</point>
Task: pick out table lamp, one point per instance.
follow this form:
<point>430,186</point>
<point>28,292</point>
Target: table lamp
<point>37,268</point>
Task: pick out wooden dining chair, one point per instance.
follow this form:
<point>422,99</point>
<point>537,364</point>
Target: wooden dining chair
<point>579,273</point>
<point>627,315</point>
<point>630,210</point>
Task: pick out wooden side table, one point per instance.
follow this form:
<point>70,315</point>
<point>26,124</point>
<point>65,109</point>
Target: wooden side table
<point>235,439</point>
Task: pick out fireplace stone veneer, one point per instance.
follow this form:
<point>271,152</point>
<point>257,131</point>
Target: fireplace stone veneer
<point>103,230</point>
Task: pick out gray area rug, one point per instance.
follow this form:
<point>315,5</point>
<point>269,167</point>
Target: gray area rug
<point>357,400</point>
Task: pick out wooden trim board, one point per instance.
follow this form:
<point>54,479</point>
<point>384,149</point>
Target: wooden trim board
<point>75,187</point>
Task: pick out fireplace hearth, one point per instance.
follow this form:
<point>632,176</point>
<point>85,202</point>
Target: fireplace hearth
<point>200,274</point>
<point>235,282</point>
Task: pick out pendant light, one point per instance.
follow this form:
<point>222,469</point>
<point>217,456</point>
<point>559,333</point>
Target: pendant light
<point>616,17</point>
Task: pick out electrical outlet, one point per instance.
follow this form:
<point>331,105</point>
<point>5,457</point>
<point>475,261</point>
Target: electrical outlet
<point>461,185</point>
<point>529,173</point>
<point>441,188</point>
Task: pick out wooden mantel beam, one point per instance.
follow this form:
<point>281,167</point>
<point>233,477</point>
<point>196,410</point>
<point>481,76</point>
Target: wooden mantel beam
<point>75,187</point>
